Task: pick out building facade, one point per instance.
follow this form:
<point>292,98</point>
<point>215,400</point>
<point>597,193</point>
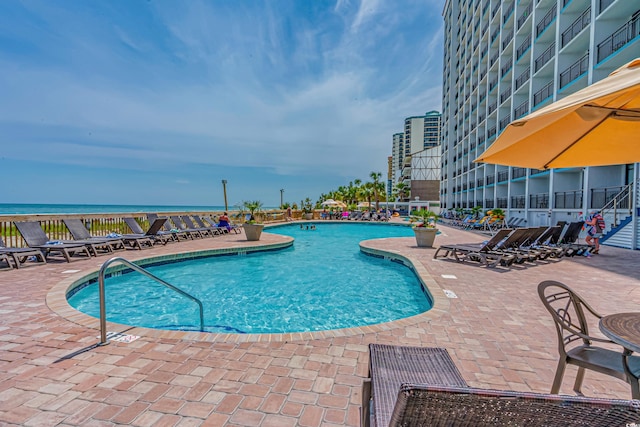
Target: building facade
<point>505,59</point>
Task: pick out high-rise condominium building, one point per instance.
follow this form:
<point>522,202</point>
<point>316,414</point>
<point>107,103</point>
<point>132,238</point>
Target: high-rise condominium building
<point>420,133</point>
<point>505,59</point>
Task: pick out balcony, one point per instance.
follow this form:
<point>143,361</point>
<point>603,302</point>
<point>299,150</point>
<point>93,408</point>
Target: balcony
<point>505,94</point>
<point>525,14</point>
<point>523,77</point>
<point>526,44</point>
<point>602,196</point>
<point>521,110</point>
<point>577,69</point>
<point>517,202</point>
<point>506,38</point>
<point>492,107</point>
<point>501,202</point>
<point>568,199</point>
<point>619,38</point>
<point>480,182</point>
<point>542,94</point>
<point>490,179</point>
<point>604,4</point>
<point>545,57</point>
<point>546,21</point>
<point>518,173</point>
<point>503,176</point>
<point>504,122</point>
<point>577,26</point>
<point>539,201</point>
<point>488,203</point>
<point>506,67</point>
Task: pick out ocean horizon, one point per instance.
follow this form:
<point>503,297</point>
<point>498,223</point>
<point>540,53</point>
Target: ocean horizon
<point>44,209</point>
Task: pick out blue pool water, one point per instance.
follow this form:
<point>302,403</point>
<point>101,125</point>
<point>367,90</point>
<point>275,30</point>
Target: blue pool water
<point>322,282</point>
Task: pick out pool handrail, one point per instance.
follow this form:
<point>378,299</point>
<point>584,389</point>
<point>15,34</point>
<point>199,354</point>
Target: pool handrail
<point>103,310</point>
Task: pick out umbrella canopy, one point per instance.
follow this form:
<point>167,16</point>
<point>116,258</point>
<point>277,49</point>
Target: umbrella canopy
<point>364,205</point>
<point>596,126</point>
<point>333,203</point>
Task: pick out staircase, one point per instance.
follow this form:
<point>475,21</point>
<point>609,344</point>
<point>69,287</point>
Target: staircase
<point>618,216</point>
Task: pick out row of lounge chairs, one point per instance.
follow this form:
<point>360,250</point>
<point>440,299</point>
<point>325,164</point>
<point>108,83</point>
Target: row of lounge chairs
<point>520,245</point>
<point>161,230</point>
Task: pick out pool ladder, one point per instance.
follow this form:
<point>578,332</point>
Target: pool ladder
<point>103,310</point>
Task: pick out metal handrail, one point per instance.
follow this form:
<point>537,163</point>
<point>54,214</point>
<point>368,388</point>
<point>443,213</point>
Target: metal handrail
<point>103,309</point>
<point>612,206</point>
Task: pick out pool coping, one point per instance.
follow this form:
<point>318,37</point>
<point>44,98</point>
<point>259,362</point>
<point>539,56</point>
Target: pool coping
<point>56,298</point>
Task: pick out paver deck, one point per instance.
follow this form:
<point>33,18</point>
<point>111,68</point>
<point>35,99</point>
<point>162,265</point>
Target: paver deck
<point>496,331</point>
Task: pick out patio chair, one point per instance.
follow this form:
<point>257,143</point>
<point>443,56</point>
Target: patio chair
<point>140,238</point>
<point>576,347</point>
<point>36,238</point>
<point>391,366</point>
<point>20,256</point>
<point>431,405</point>
<point>80,233</point>
<point>234,227</point>
<point>484,253</point>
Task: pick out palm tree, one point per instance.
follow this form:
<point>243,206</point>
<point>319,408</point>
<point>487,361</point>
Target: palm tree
<point>403,190</point>
<point>375,176</point>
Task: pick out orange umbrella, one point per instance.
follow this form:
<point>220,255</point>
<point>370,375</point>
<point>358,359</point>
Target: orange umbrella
<point>596,126</point>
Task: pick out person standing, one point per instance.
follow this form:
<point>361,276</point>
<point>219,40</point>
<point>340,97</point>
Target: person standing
<point>596,226</point>
<point>289,214</point>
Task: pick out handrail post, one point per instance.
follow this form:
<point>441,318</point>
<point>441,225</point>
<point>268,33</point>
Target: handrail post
<point>101,290</point>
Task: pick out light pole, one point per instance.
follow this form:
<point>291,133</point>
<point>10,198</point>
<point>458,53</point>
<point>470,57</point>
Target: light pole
<point>281,198</point>
<point>224,190</point>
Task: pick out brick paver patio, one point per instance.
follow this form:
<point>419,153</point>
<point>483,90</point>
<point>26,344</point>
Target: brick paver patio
<point>496,331</point>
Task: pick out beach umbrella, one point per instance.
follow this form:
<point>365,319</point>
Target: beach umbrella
<point>596,126</point>
<point>333,203</point>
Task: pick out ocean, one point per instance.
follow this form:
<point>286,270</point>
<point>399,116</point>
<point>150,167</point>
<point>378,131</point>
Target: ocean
<point>26,208</point>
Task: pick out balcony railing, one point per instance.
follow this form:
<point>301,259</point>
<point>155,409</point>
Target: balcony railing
<point>505,94</point>
<point>490,179</point>
<point>518,202</point>
<point>525,14</point>
<point>537,171</point>
<point>488,203</point>
<point>491,132</point>
<point>542,94</point>
<point>576,27</point>
<point>492,107</point>
<point>503,176</point>
<point>518,173</point>
<point>506,67</point>
<point>539,201</point>
<point>577,69</point>
<point>568,199</point>
<point>602,196</point>
<point>545,57</point>
<point>619,38</point>
<point>502,202</point>
<point>507,13</point>
<point>523,77</point>
<point>523,47</point>
<point>506,38</point>
<point>521,110</point>
<point>546,21</point>
<point>480,182</point>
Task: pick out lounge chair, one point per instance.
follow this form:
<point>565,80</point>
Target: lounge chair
<point>214,228</point>
<point>141,238</point>
<point>80,233</point>
<point>192,232</point>
<point>20,256</point>
<point>205,231</point>
<point>36,238</point>
<point>570,240</point>
<point>485,253</point>
<point>421,386</point>
<point>168,233</point>
<point>234,227</point>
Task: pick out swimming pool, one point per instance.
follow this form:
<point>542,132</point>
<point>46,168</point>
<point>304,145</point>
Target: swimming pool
<point>322,282</point>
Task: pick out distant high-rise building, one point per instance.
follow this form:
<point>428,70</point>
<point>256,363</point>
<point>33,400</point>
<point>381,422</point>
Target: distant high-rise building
<point>420,133</point>
<point>505,59</point>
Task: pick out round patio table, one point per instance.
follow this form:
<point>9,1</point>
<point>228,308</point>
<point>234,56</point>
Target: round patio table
<point>624,329</point>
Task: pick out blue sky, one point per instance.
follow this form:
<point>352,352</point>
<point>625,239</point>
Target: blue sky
<point>155,102</point>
